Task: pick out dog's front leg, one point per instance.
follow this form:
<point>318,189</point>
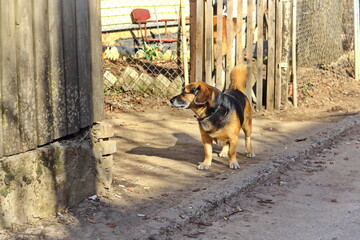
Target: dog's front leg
<point>207,143</point>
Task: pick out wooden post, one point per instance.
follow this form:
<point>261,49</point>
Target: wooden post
<point>294,83</point>
<point>229,42</point>
<point>285,52</point>
<point>96,60</point>
<point>208,53</point>
<point>239,59</point>
<point>220,81</point>
<point>278,41</point>
<point>184,43</point>
<point>259,56</point>
<point>357,39</point>
<point>271,56</point>
<point>249,47</point>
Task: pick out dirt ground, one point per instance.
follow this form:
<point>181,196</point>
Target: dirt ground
<point>159,147</point>
<point>316,198</point>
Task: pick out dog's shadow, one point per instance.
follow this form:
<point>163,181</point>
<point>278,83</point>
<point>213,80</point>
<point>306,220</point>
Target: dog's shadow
<point>186,149</point>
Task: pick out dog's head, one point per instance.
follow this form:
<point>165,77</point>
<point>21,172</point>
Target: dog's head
<point>195,95</point>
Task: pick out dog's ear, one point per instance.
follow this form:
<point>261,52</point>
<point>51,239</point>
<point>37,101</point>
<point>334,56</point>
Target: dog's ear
<point>202,95</point>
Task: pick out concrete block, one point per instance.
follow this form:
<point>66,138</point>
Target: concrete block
<point>101,130</point>
<point>110,79</point>
<point>105,147</point>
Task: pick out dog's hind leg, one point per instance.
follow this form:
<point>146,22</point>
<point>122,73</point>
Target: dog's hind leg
<point>232,153</point>
<point>247,128</point>
<point>224,151</point>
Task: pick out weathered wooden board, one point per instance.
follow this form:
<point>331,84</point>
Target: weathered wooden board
<point>239,59</point>
<point>10,107</point>
<point>56,70</point>
<point>278,48</point>
<point>71,65</point>
<point>26,74</point>
<point>259,55</point>
<point>96,61</point>
<point>230,61</point>
<point>84,62</point>
<point>199,41</point>
<point>270,85</point>
<point>42,67</point>
<point>250,27</point>
<point>219,80</point>
<point>208,42</point>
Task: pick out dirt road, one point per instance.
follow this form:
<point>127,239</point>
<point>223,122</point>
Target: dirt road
<point>317,198</point>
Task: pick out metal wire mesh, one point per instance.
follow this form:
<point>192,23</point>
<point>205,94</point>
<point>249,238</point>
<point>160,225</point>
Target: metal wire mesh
<point>324,30</point>
<point>147,56</point>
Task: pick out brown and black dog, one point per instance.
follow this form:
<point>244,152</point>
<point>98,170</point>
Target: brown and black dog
<point>220,115</point>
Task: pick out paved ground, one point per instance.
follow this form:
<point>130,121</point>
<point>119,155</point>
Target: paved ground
<point>316,198</point>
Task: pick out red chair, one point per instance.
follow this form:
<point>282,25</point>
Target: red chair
<point>141,16</point>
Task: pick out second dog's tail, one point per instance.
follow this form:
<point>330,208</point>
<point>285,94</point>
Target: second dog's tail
<point>238,77</point>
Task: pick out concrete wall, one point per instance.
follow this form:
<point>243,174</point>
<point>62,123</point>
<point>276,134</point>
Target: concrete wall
<point>42,182</point>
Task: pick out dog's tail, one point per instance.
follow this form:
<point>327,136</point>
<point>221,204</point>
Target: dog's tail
<point>238,77</point>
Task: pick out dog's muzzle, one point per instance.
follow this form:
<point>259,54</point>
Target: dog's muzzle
<point>178,103</point>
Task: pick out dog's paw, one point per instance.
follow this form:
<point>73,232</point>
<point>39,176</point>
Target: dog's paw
<point>203,166</point>
<point>234,165</point>
<point>250,155</point>
<point>223,154</point>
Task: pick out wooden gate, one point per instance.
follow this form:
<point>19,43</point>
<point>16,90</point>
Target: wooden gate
<point>251,31</point>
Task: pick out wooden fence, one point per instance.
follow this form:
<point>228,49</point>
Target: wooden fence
<point>50,71</point>
<point>252,32</point>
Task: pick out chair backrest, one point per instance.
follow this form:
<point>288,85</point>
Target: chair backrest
<point>140,14</point>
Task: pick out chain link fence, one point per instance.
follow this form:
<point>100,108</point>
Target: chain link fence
<point>324,30</point>
<point>142,48</point>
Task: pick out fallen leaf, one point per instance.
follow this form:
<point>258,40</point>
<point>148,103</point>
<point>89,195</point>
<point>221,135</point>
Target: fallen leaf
<point>111,225</point>
<point>91,220</point>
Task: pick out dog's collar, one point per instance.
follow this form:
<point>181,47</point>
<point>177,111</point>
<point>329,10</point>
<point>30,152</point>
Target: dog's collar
<point>209,115</point>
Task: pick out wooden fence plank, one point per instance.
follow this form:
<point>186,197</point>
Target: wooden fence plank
<point>193,22</point>
<point>357,38</point>
<point>278,44</point>
<point>26,74</point>
<point>239,58</point>
<point>208,42</point>
<point>249,46</point>
<point>96,60</point>
<point>84,63</point>
<point>1,89</point>
<point>259,57</point>
<point>56,70</point>
<point>71,65</point>
<point>270,83</point>
<point>220,81</point>
<point>293,51</point>
<point>199,41</point>
<point>42,64</point>
<point>10,108</point>
<point>229,42</point>
<point>285,51</point>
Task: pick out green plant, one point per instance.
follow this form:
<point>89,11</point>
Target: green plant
<point>152,51</point>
